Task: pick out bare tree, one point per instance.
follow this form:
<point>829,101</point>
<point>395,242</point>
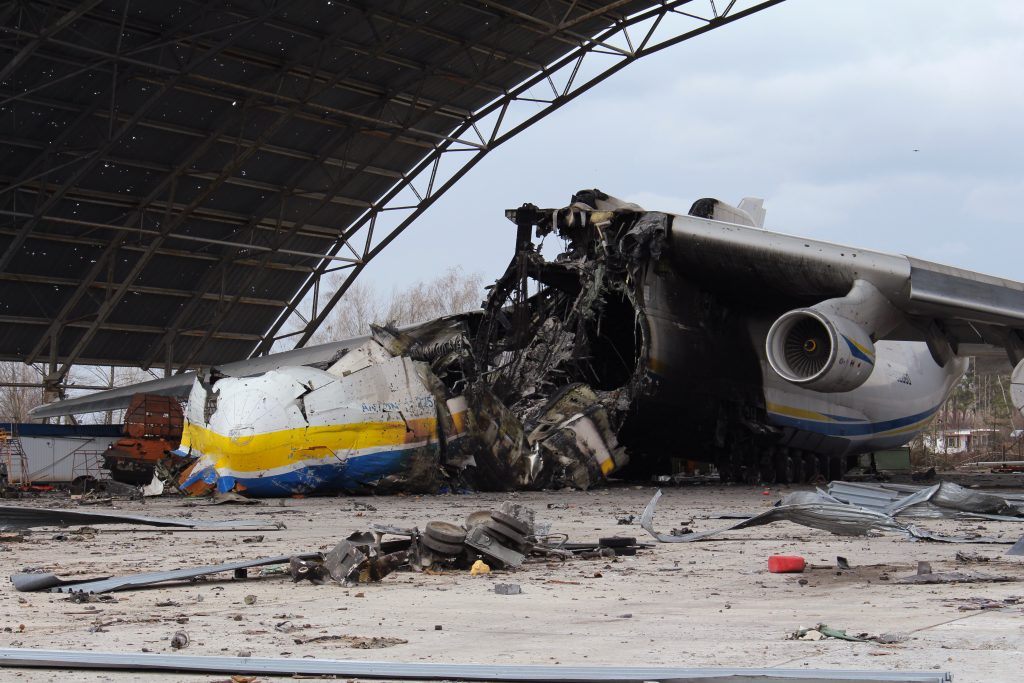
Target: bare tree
<point>451,292</point>
<point>112,377</point>
<point>15,402</point>
<point>353,314</point>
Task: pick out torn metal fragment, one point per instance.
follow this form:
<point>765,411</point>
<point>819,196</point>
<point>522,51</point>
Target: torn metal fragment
<point>343,560</point>
<point>482,539</point>
<point>37,582</point>
<point>807,509</point>
<point>955,577</point>
<point>312,570</point>
<point>21,517</point>
<point>819,511</point>
<point>945,499</point>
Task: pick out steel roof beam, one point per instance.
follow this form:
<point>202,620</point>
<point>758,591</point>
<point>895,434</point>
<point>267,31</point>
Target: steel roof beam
<point>126,327</point>
<point>241,54</point>
<point>100,264</point>
<point>230,168</point>
<point>177,236</point>
<point>140,289</point>
<point>223,139</point>
<point>337,186</point>
<point>126,201</point>
<point>176,253</point>
<point>235,181</point>
<point>101,151</point>
<point>25,52</point>
<point>358,267</point>
<point>300,71</point>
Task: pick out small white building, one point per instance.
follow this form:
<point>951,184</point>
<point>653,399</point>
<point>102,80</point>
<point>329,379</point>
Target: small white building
<point>961,440</point>
<point>57,454</point>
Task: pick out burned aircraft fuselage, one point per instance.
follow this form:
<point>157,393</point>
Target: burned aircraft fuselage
<point>682,349</point>
<point>619,355</point>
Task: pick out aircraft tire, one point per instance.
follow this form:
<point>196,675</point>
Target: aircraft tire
<point>445,532</point>
<point>511,522</point>
<point>441,547</point>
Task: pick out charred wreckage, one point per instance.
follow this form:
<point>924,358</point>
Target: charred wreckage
<point>653,336</point>
<point>532,391</point>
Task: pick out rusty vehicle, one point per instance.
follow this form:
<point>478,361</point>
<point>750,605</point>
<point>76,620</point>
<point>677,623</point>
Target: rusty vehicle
<point>152,427</point>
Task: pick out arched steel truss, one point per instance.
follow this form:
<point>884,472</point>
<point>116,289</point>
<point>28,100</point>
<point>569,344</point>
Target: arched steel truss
<point>591,40</point>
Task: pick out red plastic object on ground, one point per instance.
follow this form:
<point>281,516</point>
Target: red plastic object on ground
<point>786,564</point>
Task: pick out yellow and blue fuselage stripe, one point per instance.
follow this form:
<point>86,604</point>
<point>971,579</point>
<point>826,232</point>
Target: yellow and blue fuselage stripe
<point>859,351</point>
<point>305,460</point>
<point>843,426</point>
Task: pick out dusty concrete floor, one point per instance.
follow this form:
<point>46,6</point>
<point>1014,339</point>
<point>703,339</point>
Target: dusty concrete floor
<point>711,603</point>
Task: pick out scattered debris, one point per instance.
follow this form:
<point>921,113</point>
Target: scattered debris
<point>355,642</point>
<point>301,569</point>
<point>232,498</point>
<point>964,556</point>
<point>817,510</point>
<point>179,640</point>
<point>493,539</point>
<point>508,588</point>
<point>842,562</point>
<point>823,631</point>
<point>945,499</point>
<point>955,577</point>
<point>973,604</point>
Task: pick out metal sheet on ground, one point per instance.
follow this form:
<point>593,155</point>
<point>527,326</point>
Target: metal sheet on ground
<point>36,582</point>
<point>69,659</point>
<point>20,517</point>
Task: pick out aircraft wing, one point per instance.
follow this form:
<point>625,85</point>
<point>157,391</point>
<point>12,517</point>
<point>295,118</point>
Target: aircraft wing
<point>969,313</point>
<point>180,385</point>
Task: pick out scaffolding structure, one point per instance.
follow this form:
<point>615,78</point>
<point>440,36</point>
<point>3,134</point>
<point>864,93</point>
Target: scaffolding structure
<point>14,461</point>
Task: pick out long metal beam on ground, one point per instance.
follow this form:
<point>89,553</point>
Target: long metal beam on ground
<point>508,673</point>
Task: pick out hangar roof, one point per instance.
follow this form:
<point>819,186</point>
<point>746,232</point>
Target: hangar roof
<point>175,177</point>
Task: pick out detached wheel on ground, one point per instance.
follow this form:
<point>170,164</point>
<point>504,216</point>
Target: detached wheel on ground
<point>445,532</point>
<point>440,547</point>
<point>506,532</point>
<point>511,522</point>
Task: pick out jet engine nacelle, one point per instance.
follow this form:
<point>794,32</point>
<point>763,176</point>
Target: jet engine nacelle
<point>819,351</point>
<point>830,347</point>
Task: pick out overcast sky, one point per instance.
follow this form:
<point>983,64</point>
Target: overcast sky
<point>896,126</point>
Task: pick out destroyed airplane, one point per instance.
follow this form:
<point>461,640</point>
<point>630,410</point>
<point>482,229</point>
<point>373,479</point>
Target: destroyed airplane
<point>652,336</point>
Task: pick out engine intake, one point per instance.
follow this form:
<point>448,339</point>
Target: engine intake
<point>820,351</point>
<point>830,346</point>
